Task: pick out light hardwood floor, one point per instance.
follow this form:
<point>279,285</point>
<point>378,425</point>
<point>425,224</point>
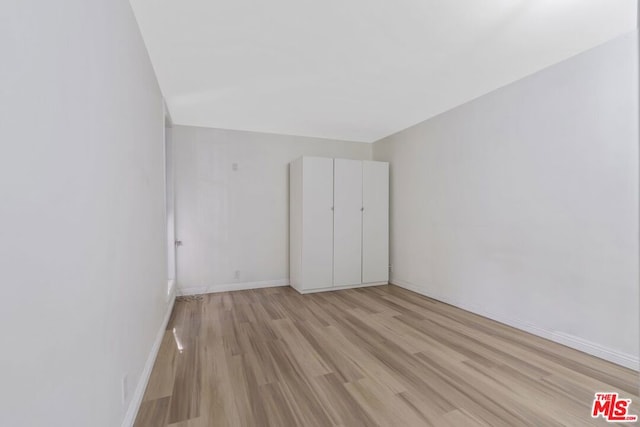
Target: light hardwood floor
<point>364,357</point>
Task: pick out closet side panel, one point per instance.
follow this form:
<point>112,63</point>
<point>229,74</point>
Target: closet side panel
<point>295,223</point>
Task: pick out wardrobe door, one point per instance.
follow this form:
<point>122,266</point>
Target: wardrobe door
<point>317,223</point>
<point>375,222</point>
<point>347,226</point>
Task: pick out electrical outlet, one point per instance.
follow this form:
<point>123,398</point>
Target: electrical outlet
<point>234,167</point>
<point>125,389</point>
<point>237,275</point>
<point>390,268</point>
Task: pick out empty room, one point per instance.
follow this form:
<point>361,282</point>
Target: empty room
<point>320,213</point>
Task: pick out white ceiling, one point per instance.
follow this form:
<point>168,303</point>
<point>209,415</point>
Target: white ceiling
<point>356,69</point>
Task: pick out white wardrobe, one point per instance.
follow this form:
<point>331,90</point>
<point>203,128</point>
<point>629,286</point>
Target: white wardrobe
<point>339,223</point>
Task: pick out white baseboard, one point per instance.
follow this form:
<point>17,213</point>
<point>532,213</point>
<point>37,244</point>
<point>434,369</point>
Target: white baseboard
<point>171,285</point>
<point>199,290</point>
<point>595,349</point>
<point>340,288</point>
<point>589,347</point>
<point>136,398</point>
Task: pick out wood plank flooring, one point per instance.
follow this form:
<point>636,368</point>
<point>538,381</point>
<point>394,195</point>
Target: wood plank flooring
<point>364,357</point>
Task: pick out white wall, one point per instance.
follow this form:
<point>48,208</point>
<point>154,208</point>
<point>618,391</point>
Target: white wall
<point>170,206</point>
<point>82,210</point>
<point>523,204</point>
<point>231,220</point>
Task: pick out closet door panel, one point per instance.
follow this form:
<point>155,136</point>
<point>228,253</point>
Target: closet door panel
<point>317,223</point>
<point>347,227</point>
<point>295,223</point>
<point>375,222</point>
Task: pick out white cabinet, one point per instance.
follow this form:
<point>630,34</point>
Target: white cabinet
<point>339,223</point>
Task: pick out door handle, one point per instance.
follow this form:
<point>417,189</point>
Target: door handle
<point>178,243</point>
